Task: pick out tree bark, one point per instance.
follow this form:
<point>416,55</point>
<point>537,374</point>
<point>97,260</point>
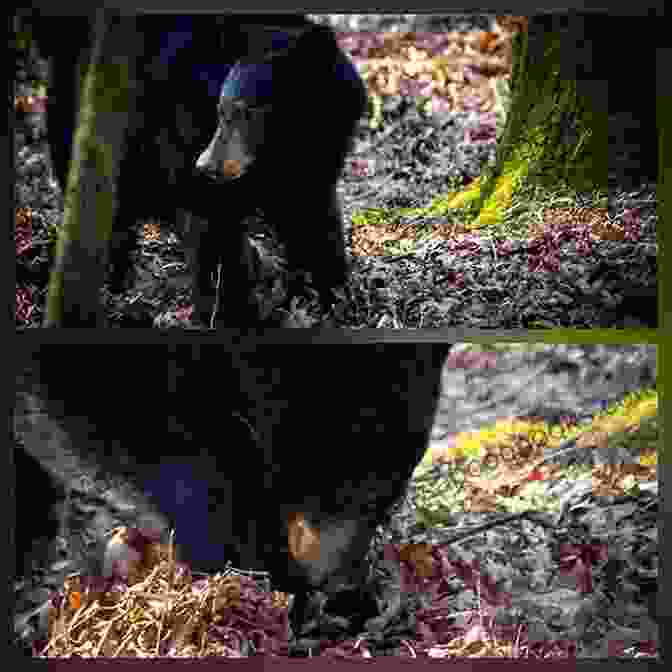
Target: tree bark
<point>582,110</point>
<point>82,249</point>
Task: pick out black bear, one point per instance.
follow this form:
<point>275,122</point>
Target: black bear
<point>282,458</point>
<point>287,114</point>
<point>283,68</point>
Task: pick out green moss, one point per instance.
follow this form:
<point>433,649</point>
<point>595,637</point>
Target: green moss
<point>632,423</point>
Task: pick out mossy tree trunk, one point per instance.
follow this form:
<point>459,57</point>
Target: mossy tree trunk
<point>564,125</point>
<point>82,250</point>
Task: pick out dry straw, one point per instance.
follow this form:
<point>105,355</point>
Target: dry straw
<point>159,610</point>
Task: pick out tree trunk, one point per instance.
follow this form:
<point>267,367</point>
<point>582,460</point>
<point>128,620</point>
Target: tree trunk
<point>82,249</point>
<point>582,112</point>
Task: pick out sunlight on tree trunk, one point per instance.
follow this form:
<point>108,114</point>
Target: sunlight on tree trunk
<point>552,135</point>
<point>557,132</point>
